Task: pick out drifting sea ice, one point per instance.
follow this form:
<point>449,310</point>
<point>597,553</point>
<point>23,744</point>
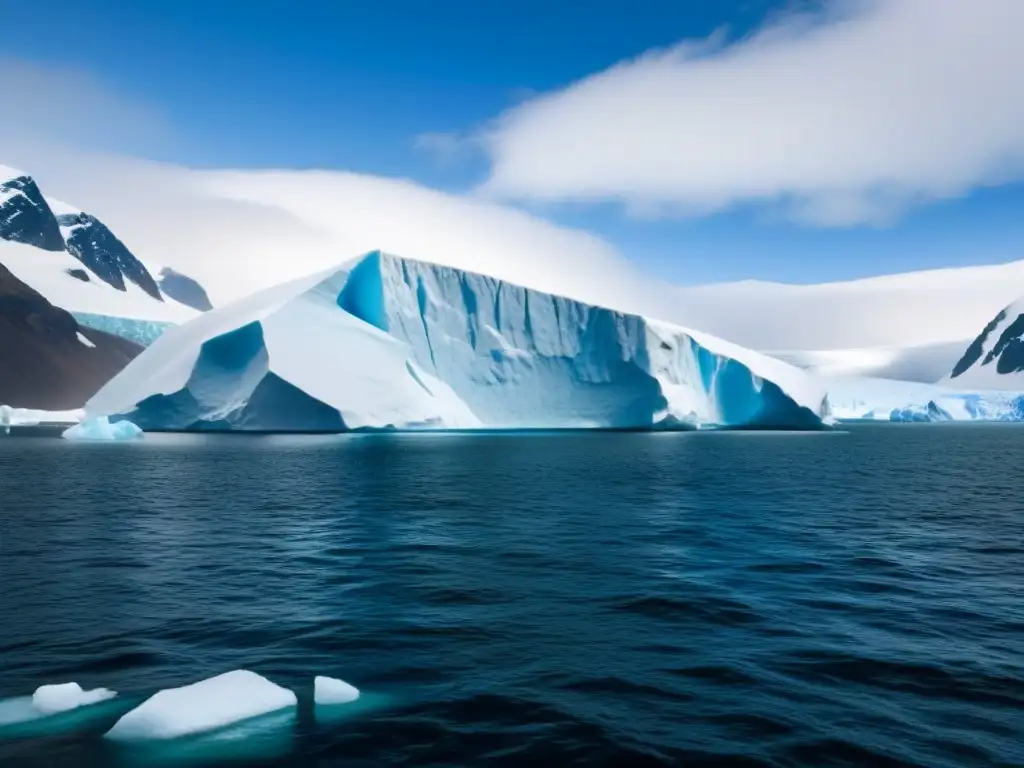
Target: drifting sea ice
<point>329,690</point>
<point>102,429</point>
<point>61,697</point>
<point>205,706</point>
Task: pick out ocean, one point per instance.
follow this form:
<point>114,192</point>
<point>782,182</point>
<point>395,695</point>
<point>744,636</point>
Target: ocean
<point>847,598</point>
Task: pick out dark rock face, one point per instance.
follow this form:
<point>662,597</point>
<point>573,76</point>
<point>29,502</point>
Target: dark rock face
<point>92,243</point>
<point>1009,349</point>
<point>26,217</point>
<point>184,289</point>
<point>974,352</point>
<point>78,274</point>
<point>46,365</point>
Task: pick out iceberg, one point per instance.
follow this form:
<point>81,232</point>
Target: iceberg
<point>205,706</point>
<point>51,699</point>
<point>385,342</point>
<point>330,690</point>
<point>102,429</point>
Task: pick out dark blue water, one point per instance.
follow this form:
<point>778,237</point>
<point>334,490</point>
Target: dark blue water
<point>544,600</point>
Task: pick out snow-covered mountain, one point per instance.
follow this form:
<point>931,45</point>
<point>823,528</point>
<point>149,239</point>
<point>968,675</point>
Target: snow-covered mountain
<point>72,259</point>
<point>25,215</point>
<point>995,359</point>
<point>75,303</point>
<point>387,342</point>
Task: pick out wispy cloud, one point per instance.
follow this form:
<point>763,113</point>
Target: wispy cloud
<point>46,104</point>
<point>847,116</point>
<point>446,148</point>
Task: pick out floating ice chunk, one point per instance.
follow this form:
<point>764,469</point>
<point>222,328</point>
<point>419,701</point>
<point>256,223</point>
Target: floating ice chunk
<point>204,706</point>
<point>329,690</point>
<point>51,699</point>
<point>102,429</point>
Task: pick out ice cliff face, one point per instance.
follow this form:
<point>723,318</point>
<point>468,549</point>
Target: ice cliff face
<point>995,359</point>
<point>392,342</point>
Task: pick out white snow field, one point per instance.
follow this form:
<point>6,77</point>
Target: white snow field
<point>995,359</point>
<point>62,697</point>
<point>387,342</point>
<point>101,429</point>
<point>204,706</point>
<point>329,690</point>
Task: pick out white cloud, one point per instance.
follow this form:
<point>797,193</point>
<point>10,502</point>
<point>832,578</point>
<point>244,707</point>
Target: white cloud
<point>846,117</point>
<point>239,230</point>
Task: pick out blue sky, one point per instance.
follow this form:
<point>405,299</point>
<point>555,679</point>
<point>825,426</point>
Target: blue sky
<point>351,85</point>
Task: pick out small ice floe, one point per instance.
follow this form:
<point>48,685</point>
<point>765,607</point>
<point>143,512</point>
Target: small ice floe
<point>55,709</point>
<point>62,697</point>
<point>102,429</point>
<point>329,690</point>
<point>211,704</point>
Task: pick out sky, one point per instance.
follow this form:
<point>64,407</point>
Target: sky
<point>705,140</point>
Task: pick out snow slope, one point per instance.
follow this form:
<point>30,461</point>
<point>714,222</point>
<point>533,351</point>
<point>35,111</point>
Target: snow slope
<point>390,342</point>
<point>995,359</point>
<point>49,274</point>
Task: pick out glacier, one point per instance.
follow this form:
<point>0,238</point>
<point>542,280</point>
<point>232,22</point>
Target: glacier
<point>854,398</point>
<point>385,342</point>
<point>130,312</point>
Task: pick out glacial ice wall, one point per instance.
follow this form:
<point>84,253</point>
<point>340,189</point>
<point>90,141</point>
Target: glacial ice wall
<point>387,342</point>
<point>861,398</point>
<point>142,332</point>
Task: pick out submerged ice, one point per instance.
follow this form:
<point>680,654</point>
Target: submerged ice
<point>387,342</point>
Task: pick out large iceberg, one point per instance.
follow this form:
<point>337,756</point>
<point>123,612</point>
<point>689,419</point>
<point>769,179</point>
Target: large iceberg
<point>204,706</point>
<point>387,342</point>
